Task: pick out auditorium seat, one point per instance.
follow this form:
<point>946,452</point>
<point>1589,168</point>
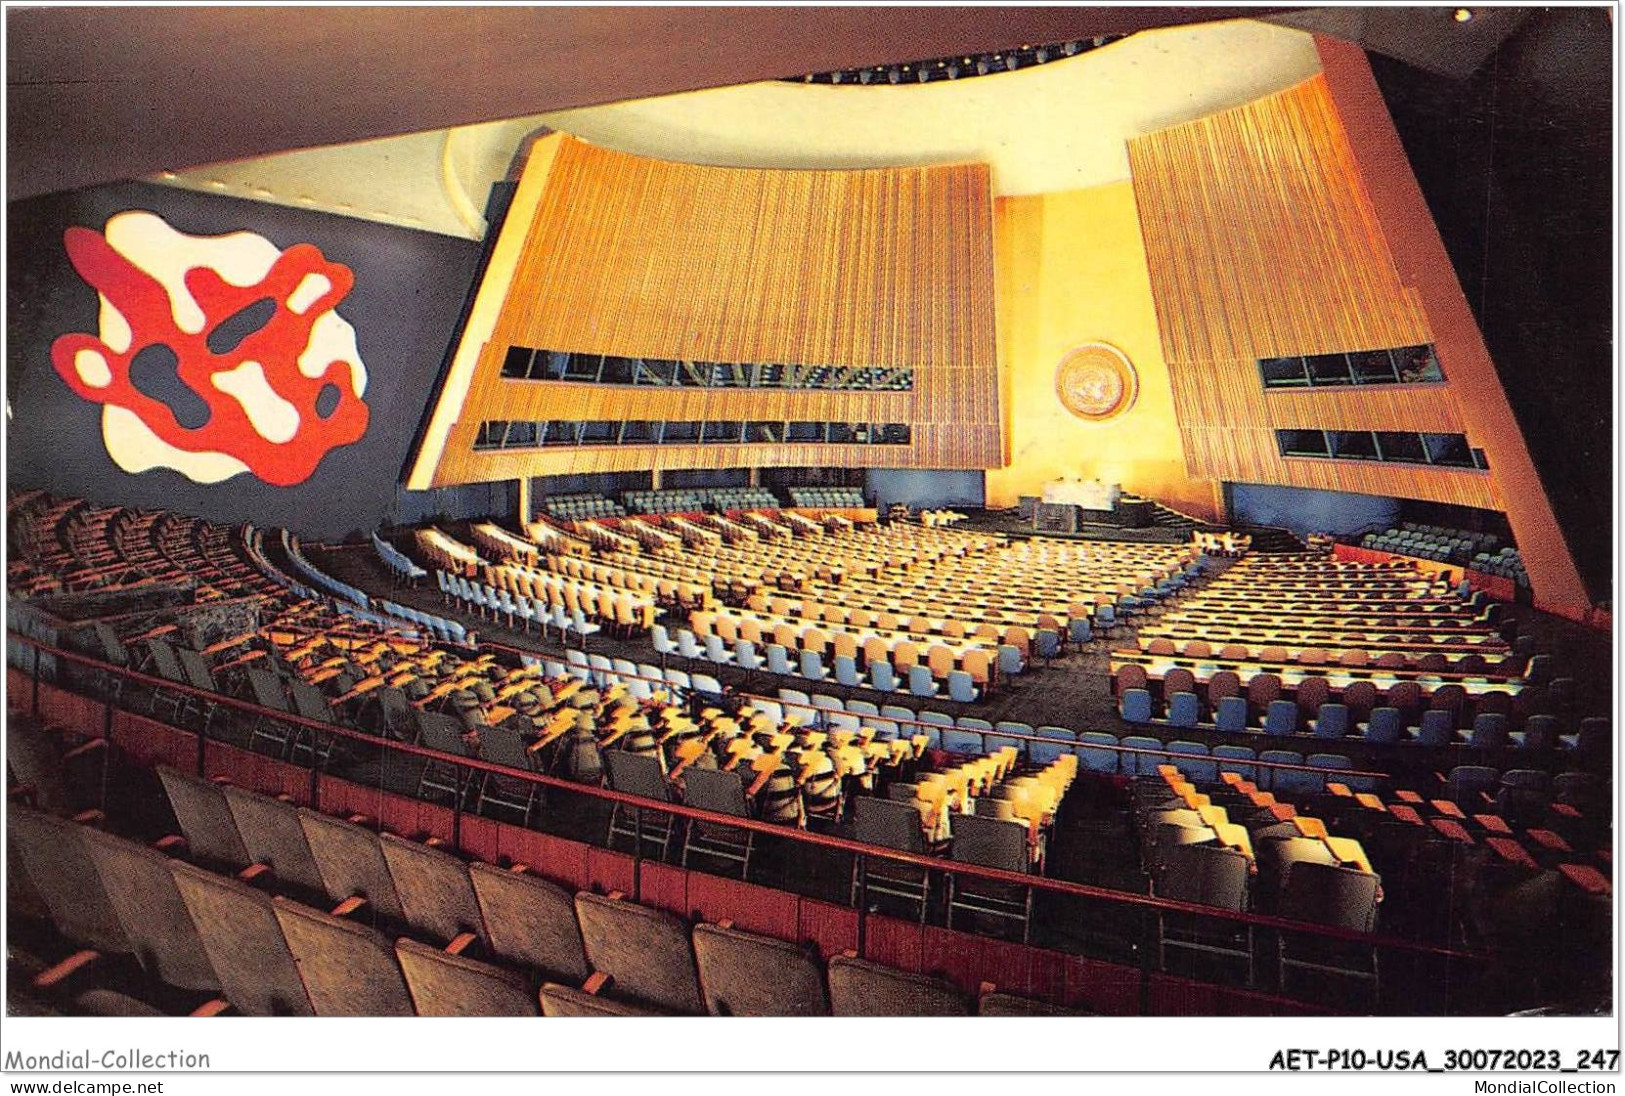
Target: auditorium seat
<point>447,984</point>
<point>892,825</point>
<point>243,938</point>
<point>1332,721</point>
<point>437,899</point>
<point>1135,706</point>
<point>1142,763</point>
<point>1010,1004</point>
<point>347,969</point>
<point>1437,728</point>
<point>861,988</point>
<point>206,821</point>
<point>645,953</point>
<point>1386,726</point>
<point>1281,718</point>
<point>641,775</point>
<point>742,974</point>
<point>141,888</point>
<point>351,863</point>
<point>1337,896</point>
<point>920,682</point>
<point>1183,709</point>
<point>723,793</point>
<point>1231,714</point>
<point>561,1000</point>
<point>272,836</point>
<point>991,843</point>
<point>531,923</point>
<point>1097,751</point>
<point>1206,874</point>
<point>65,879</point>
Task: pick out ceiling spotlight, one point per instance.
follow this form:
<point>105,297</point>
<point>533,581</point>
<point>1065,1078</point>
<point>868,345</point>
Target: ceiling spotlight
<point>1463,15</point>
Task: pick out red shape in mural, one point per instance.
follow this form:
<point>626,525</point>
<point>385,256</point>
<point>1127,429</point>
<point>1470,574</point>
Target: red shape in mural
<point>159,287</point>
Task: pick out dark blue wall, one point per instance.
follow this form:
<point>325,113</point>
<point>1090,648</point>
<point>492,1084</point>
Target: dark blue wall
<point>409,293</point>
<point>924,487</point>
<point>1304,510</point>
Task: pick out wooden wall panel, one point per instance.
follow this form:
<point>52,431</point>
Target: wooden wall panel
<point>1232,393</point>
<point>1252,456</point>
<point>1262,239</point>
<point>1421,257</point>
<point>1266,241</point>
<point>632,256</point>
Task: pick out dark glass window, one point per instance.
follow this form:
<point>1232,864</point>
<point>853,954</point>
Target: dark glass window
<point>656,371</point>
<point>1372,367</point>
<point>1353,444</point>
<point>499,434</point>
<point>1302,443</point>
<point>600,433</point>
<point>521,435</point>
<point>550,365</point>
<point>1449,450</point>
<point>516,365</point>
<point>561,432</point>
<point>525,363</point>
<point>1400,446</point>
<point>1330,369</point>
<point>1417,365</point>
<point>1402,365</point>
<point>583,367</point>
<point>1394,446</point>
<point>718,433</point>
<point>1283,372</point>
<point>618,370</point>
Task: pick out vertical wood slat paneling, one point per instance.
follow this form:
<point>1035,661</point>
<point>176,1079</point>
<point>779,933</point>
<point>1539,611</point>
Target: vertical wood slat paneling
<point>1261,237</point>
<point>626,255</point>
<point>1262,240</point>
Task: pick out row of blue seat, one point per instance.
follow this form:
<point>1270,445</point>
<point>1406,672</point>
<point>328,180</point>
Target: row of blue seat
<point>447,631</point>
<point>254,539</point>
<point>396,560</point>
<point>774,658</point>
<point>333,586</point>
<point>1098,751</point>
<point>641,680</point>
<point>517,607</point>
<point>1490,730</point>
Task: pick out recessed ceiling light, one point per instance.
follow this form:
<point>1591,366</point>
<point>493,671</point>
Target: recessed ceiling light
<point>1463,15</point>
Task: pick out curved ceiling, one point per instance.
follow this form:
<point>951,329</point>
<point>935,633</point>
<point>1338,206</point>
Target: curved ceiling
<point>96,94</point>
<point>1059,126</point>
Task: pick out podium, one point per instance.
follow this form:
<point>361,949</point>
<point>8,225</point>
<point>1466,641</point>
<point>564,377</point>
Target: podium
<point>1055,517</point>
<point>1068,505</point>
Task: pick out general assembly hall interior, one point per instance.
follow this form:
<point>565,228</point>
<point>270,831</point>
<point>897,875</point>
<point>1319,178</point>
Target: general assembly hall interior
<point>809,512</point>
